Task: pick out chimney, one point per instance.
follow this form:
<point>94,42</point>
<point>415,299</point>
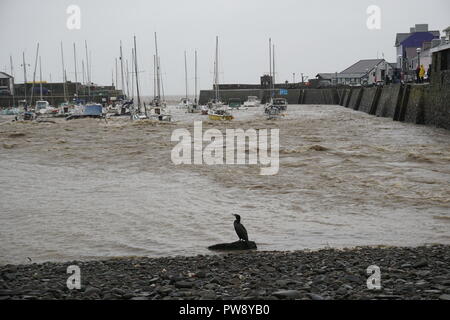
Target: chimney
<point>421,28</point>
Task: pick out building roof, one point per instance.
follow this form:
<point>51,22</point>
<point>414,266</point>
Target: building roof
<point>326,76</point>
<point>440,48</point>
<point>400,37</point>
<point>4,75</point>
<point>362,67</point>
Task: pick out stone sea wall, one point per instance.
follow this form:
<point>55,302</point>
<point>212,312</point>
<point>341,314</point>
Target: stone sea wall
<point>427,104</point>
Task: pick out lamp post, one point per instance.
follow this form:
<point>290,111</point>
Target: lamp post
<point>418,50</point>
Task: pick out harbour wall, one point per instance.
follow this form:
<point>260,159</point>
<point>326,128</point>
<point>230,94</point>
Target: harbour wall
<point>292,95</point>
<point>427,104</point>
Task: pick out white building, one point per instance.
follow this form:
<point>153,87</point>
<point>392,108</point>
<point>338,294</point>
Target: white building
<point>366,72</point>
<point>6,84</point>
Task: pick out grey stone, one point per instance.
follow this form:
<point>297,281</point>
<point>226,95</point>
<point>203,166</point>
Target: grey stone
<point>184,284</point>
<point>91,291</point>
<point>422,263</point>
<point>314,296</point>
<point>286,294</point>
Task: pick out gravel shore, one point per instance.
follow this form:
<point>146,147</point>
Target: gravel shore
<point>406,273</point>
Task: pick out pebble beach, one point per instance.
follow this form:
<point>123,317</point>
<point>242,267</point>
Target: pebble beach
<point>405,272</point>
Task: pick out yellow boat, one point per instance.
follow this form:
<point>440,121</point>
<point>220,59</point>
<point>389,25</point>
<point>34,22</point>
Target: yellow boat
<point>220,115</point>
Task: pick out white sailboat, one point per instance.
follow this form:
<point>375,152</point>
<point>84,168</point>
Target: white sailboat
<point>276,105</point>
<point>194,108</point>
<point>158,100</point>
<point>185,102</point>
<point>217,110</point>
<point>42,106</point>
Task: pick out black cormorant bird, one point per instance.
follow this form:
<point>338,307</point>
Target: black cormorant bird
<point>240,229</point>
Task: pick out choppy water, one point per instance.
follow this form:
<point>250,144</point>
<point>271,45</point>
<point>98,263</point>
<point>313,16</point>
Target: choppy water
<point>88,189</point>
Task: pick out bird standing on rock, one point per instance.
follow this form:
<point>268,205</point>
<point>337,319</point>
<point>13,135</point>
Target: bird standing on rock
<point>240,229</point>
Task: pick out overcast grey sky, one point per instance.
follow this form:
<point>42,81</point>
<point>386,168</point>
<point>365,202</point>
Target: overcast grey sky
<point>310,36</point>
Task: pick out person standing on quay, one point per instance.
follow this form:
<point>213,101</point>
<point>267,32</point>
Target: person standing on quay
<point>421,73</point>
<point>418,74</point>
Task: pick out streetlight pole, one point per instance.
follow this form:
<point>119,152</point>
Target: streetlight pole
<point>418,50</point>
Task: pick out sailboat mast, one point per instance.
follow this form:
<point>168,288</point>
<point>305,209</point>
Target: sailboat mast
<point>137,78</point>
<point>12,75</point>
<point>195,93</point>
<point>158,83</point>
<point>132,74</point>
<point>75,64</point>
<point>34,73</point>
<point>217,69</point>
<point>270,66</point>
<point>40,76</point>
<point>127,79</point>
<point>121,69</point>
<point>88,76</point>
<point>24,77</point>
<point>273,69</point>
<point>185,75</point>
<point>117,83</point>
<point>154,76</point>
<point>63,72</point>
<point>161,79</point>
<point>82,70</point>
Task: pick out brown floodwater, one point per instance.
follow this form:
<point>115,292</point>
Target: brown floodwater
<point>89,189</point>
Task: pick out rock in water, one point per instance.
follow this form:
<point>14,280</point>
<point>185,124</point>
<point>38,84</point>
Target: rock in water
<point>238,245</point>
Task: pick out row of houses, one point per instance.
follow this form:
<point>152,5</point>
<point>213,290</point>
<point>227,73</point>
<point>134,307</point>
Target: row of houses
<point>413,49</point>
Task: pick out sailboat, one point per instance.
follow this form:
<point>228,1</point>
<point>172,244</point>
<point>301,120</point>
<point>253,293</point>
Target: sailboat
<point>42,106</point>
<point>156,111</point>
<point>158,101</point>
<point>276,105</point>
<point>185,102</point>
<point>217,110</point>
